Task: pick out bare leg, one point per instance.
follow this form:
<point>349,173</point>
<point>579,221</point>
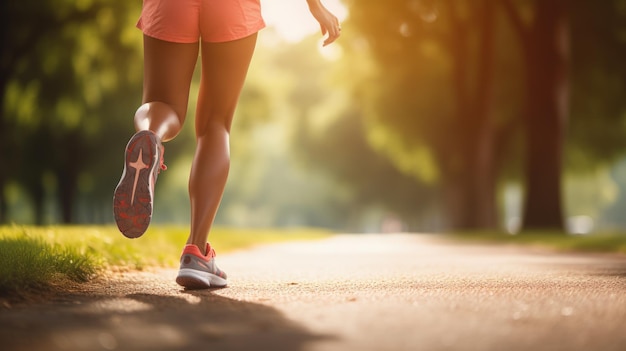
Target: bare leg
<point>168,68</point>
<point>167,77</point>
<point>224,68</point>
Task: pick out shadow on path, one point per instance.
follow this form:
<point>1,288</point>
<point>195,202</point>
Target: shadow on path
<point>137,321</point>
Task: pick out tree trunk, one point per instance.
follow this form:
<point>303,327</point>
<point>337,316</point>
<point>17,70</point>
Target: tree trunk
<point>37,194</point>
<point>470,194</point>
<point>67,195</point>
<point>3,169</point>
<point>458,198</point>
<point>4,205</point>
<point>484,186</point>
<point>5,163</point>
<point>547,109</point>
<point>67,173</point>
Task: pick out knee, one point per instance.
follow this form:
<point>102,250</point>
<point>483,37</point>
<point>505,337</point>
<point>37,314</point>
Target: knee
<point>160,118</point>
<point>214,126</point>
<point>159,111</point>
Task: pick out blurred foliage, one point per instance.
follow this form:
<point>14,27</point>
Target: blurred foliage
<point>371,129</point>
<point>427,96</point>
<point>598,107</point>
<point>328,135</point>
<point>71,73</point>
<point>412,96</point>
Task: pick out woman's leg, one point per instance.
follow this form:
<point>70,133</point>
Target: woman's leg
<point>168,69</point>
<point>167,77</point>
<point>224,68</point>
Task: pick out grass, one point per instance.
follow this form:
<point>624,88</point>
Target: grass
<point>602,242</point>
<point>33,257</point>
<point>30,263</point>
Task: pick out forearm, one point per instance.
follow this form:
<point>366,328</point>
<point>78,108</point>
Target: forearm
<point>314,3</point>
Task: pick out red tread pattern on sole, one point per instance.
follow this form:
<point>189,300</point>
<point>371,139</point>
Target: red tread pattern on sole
<point>133,217</point>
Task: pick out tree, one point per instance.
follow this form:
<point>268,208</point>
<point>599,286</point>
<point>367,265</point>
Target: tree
<point>546,57</point>
<point>65,66</point>
<point>432,96</point>
<point>598,83</point>
<point>569,48</point>
<point>456,42</point>
<point>372,180</point>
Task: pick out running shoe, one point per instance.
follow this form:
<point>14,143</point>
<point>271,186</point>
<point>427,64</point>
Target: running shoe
<point>198,271</point>
<point>132,200</point>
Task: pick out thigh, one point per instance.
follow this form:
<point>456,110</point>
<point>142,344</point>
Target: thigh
<point>168,69</point>
<point>223,21</point>
<point>171,20</point>
<point>224,69</point>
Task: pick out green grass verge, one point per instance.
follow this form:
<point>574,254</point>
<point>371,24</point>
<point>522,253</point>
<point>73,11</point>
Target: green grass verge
<point>29,263</point>
<point>31,257</point>
<point>602,242</point>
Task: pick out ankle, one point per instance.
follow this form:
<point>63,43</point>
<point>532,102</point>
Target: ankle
<point>202,248</point>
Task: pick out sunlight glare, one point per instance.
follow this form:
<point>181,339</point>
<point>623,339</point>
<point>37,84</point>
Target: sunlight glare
<point>292,19</point>
<point>330,52</point>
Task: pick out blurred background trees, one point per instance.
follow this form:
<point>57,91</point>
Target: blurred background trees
<point>69,71</point>
<point>427,115</point>
<point>474,81</point>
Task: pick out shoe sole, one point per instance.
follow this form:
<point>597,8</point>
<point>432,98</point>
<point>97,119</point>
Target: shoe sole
<point>195,279</point>
<point>132,200</point>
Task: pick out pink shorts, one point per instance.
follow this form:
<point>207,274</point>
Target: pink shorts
<point>187,21</point>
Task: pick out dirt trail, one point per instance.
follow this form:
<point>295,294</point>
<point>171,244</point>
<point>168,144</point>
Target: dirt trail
<point>350,292</point>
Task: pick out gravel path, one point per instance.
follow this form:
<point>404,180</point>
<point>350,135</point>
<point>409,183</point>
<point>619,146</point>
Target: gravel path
<point>349,292</point>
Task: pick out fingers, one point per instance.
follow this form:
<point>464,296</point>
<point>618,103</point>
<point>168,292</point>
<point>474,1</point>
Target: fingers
<point>333,33</point>
<point>329,24</point>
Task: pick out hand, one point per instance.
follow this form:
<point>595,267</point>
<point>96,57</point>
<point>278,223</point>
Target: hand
<point>329,24</point>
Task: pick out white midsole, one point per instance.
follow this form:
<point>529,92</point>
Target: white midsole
<point>208,278</point>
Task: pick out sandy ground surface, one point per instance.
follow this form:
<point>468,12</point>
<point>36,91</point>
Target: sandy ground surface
<point>349,292</point>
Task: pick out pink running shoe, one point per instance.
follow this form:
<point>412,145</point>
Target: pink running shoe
<point>198,271</point>
<point>132,200</point>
